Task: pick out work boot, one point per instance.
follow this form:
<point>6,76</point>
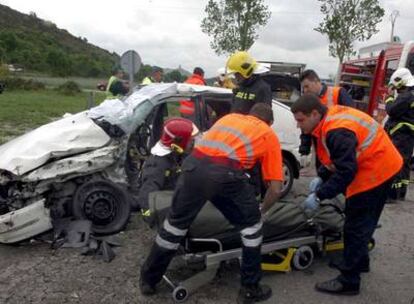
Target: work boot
<point>253,294</point>
<point>337,287</point>
<point>146,289</point>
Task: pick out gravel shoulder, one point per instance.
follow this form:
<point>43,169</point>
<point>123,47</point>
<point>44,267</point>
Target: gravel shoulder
<point>34,273</point>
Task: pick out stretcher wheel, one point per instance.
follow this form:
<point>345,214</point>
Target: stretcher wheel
<point>180,294</point>
<point>302,258</point>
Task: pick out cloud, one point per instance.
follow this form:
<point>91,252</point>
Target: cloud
<point>167,32</point>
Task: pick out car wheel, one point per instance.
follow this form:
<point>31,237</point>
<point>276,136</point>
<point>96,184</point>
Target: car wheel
<point>104,203</point>
<point>288,176</point>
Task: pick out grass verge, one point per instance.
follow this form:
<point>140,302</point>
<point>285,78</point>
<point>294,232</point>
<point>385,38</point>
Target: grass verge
<point>21,111</point>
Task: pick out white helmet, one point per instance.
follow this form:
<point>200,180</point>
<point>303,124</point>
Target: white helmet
<point>402,77</point>
<point>221,72</point>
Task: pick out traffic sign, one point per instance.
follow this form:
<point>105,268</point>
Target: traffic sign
<point>130,63</point>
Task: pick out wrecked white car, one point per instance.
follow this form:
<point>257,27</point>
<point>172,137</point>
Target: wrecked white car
<point>87,165</point>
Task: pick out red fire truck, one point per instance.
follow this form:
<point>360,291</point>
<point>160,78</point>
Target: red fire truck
<point>366,77</point>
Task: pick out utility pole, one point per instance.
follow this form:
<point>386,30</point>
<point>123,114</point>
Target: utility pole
<point>393,17</point>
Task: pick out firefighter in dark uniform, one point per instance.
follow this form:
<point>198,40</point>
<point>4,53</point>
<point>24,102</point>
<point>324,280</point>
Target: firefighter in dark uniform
<point>357,158</point>
<point>251,88</point>
<point>400,126</point>
<point>328,95</point>
<point>215,171</point>
<point>162,168</point>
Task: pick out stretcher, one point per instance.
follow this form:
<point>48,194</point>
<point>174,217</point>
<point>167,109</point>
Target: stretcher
<point>291,240</point>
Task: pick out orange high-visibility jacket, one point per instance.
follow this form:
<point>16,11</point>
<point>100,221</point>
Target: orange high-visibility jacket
<point>245,139</point>
<point>187,106</point>
<point>331,96</point>
<point>377,158</point>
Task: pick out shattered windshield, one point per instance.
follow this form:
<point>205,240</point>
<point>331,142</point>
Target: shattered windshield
<point>129,112</point>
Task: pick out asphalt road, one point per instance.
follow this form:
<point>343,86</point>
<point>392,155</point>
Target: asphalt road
<point>34,273</point>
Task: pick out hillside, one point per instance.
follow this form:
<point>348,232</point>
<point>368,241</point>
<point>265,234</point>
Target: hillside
<point>38,45</point>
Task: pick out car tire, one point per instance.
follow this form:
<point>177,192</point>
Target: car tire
<point>288,177</point>
<point>104,203</point>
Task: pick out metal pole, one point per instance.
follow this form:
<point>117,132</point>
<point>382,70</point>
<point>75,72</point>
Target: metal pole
<point>91,100</point>
<point>131,72</point>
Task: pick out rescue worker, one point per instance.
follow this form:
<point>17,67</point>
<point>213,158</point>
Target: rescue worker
<point>215,171</point>
<point>187,106</point>
<point>251,88</point>
<point>329,96</point>
<point>162,168</point>
<point>197,77</point>
<point>400,126</point>
<point>116,87</point>
<point>358,159</point>
<point>155,77</point>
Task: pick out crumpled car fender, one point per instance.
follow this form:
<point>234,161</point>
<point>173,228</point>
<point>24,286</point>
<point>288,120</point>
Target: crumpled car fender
<point>25,223</point>
<point>81,164</point>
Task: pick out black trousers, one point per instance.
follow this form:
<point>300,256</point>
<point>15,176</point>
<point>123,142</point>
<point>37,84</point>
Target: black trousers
<point>404,142</point>
<point>362,212</point>
<point>229,190</point>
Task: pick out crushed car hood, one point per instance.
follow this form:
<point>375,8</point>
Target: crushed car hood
<point>67,136</point>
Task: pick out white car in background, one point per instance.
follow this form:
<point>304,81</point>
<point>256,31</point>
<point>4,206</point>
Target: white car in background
<point>88,164</point>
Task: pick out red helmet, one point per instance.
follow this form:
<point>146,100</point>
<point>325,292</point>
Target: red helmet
<point>178,131</point>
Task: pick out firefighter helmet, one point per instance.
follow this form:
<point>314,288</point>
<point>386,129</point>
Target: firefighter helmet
<point>401,78</point>
<point>177,132</point>
<point>241,62</point>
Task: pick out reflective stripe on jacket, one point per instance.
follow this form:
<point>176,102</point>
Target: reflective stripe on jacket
<point>401,112</point>
<point>331,96</point>
<point>251,91</point>
<point>377,158</point>
<point>245,139</point>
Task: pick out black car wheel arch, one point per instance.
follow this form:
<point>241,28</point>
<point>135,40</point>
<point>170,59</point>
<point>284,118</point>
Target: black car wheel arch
<point>104,203</point>
<point>290,172</point>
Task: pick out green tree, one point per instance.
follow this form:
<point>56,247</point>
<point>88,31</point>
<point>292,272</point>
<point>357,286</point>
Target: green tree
<point>60,64</point>
<point>347,21</point>
<point>2,54</point>
<point>233,24</point>
<point>144,71</point>
<point>94,70</point>
<point>174,75</point>
<point>9,41</point>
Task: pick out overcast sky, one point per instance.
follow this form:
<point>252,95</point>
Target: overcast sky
<point>167,32</point>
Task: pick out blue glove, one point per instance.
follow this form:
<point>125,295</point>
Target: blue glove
<point>311,203</point>
<point>315,184</point>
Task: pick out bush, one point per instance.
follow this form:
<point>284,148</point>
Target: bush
<point>69,88</point>
<point>4,71</point>
<point>15,83</point>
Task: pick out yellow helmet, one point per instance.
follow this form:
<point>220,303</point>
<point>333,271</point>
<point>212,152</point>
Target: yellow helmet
<point>241,62</point>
